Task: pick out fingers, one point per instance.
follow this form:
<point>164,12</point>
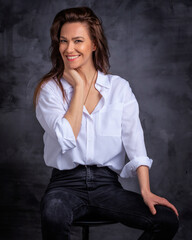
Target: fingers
<point>175,210</point>
<point>152,209</point>
<point>73,77</point>
<point>156,200</point>
<point>166,203</point>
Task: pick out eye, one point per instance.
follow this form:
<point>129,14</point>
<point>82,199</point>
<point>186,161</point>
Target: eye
<point>63,41</point>
<point>78,41</point>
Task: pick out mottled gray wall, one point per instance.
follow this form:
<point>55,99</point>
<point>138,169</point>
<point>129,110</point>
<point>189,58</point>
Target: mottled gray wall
<point>151,46</point>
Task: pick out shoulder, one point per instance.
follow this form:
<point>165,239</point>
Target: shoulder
<point>116,80</point>
<point>118,83</point>
<point>50,85</point>
<point>50,89</point>
<point>119,88</point>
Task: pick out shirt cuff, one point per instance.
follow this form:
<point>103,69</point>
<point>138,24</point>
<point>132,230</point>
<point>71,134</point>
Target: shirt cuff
<point>65,135</point>
<point>129,170</point>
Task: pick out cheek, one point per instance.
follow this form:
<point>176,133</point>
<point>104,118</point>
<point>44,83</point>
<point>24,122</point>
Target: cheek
<point>86,49</point>
<point>61,50</point>
<point>81,48</point>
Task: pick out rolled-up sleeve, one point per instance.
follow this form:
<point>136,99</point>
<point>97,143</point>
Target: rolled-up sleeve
<point>132,136</point>
<point>50,113</point>
<point>65,134</point>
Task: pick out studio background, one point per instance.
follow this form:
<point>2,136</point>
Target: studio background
<point>151,46</point>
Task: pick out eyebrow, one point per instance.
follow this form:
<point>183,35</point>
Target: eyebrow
<point>72,38</point>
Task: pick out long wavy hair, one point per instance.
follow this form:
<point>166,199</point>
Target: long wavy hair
<point>100,55</point>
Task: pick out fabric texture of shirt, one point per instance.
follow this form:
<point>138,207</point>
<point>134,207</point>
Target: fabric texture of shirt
<point>112,130</point>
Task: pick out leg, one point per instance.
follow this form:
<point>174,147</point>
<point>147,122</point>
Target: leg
<point>128,208</point>
<point>165,225</point>
<point>85,233</point>
<point>59,208</point>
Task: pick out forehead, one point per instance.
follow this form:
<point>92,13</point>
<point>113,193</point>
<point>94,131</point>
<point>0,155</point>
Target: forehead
<point>74,29</point>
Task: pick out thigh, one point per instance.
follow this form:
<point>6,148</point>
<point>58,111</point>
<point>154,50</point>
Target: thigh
<point>127,208</point>
<point>59,204</point>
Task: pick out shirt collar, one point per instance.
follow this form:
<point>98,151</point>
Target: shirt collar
<point>102,80</point>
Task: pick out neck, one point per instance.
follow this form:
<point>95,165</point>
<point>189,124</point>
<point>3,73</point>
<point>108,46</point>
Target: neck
<point>90,85</point>
<point>89,73</point>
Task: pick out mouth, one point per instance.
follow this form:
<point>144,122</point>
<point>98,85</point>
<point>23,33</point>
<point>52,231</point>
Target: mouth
<point>72,57</point>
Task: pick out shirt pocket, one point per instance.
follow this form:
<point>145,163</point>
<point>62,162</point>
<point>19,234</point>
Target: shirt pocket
<point>109,122</point>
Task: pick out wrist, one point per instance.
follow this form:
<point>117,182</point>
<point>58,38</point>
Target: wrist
<point>79,93</point>
<point>145,192</point>
<point>79,86</point>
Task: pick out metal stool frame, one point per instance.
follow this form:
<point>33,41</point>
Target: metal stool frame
<point>85,224</point>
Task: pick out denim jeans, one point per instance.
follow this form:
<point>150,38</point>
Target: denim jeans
<point>96,191</point>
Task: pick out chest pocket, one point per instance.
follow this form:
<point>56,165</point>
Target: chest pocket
<point>109,122</point>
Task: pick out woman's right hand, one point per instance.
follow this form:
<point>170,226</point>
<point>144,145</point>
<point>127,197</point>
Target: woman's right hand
<point>74,77</point>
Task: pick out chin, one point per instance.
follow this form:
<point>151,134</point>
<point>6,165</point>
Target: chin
<point>74,66</point>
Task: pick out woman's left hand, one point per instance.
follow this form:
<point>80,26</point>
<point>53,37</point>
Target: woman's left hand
<point>151,200</point>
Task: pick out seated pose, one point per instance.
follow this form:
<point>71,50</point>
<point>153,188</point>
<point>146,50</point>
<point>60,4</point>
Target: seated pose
<point>91,120</point>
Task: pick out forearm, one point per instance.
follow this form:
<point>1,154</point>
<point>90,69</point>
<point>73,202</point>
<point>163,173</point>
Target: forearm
<point>75,111</point>
<point>143,178</point>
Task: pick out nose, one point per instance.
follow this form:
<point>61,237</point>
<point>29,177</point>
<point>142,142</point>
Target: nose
<point>70,47</point>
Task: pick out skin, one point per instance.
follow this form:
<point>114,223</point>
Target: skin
<point>149,198</point>
<point>75,41</point>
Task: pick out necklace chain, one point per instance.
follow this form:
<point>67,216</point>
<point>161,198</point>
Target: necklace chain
<point>90,87</point>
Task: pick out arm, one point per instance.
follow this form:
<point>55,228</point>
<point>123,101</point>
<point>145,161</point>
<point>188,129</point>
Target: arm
<point>60,124</point>
<point>75,111</point>
<point>133,140</point>
<point>132,135</point>
<point>149,198</point>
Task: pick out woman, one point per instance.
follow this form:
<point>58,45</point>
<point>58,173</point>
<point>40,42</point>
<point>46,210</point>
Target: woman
<point>91,119</point>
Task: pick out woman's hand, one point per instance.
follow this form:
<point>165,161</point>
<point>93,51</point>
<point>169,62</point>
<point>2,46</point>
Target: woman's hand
<point>151,200</point>
<point>75,77</point>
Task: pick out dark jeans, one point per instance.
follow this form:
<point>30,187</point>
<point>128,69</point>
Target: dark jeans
<point>94,191</point>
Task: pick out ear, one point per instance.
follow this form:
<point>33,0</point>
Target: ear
<point>94,47</point>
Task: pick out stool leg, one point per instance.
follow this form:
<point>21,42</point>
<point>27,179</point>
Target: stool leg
<point>85,233</point>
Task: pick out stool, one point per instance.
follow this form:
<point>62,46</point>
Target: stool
<point>86,223</point>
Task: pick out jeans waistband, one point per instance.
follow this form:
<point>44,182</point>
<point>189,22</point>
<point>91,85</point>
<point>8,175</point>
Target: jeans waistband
<point>81,171</point>
<point>80,167</point>
<point>83,177</point>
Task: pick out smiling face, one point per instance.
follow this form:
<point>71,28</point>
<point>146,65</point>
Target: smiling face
<point>76,46</point>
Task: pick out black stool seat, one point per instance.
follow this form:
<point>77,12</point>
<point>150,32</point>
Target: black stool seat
<point>93,222</point>
<point>86,223</point>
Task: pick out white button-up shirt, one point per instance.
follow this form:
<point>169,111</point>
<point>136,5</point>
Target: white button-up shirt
<point>106,135</point>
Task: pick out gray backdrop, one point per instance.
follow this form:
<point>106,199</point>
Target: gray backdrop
<point>151,46</point>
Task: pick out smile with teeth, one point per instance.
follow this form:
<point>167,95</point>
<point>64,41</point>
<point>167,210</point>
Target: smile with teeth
<point>71,58</point>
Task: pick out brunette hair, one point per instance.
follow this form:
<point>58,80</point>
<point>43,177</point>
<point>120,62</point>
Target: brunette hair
<point>100,55</point>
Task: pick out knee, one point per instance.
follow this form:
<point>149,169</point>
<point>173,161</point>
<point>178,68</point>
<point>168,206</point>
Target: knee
<point>167,219</point>
<point>54,212</point>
